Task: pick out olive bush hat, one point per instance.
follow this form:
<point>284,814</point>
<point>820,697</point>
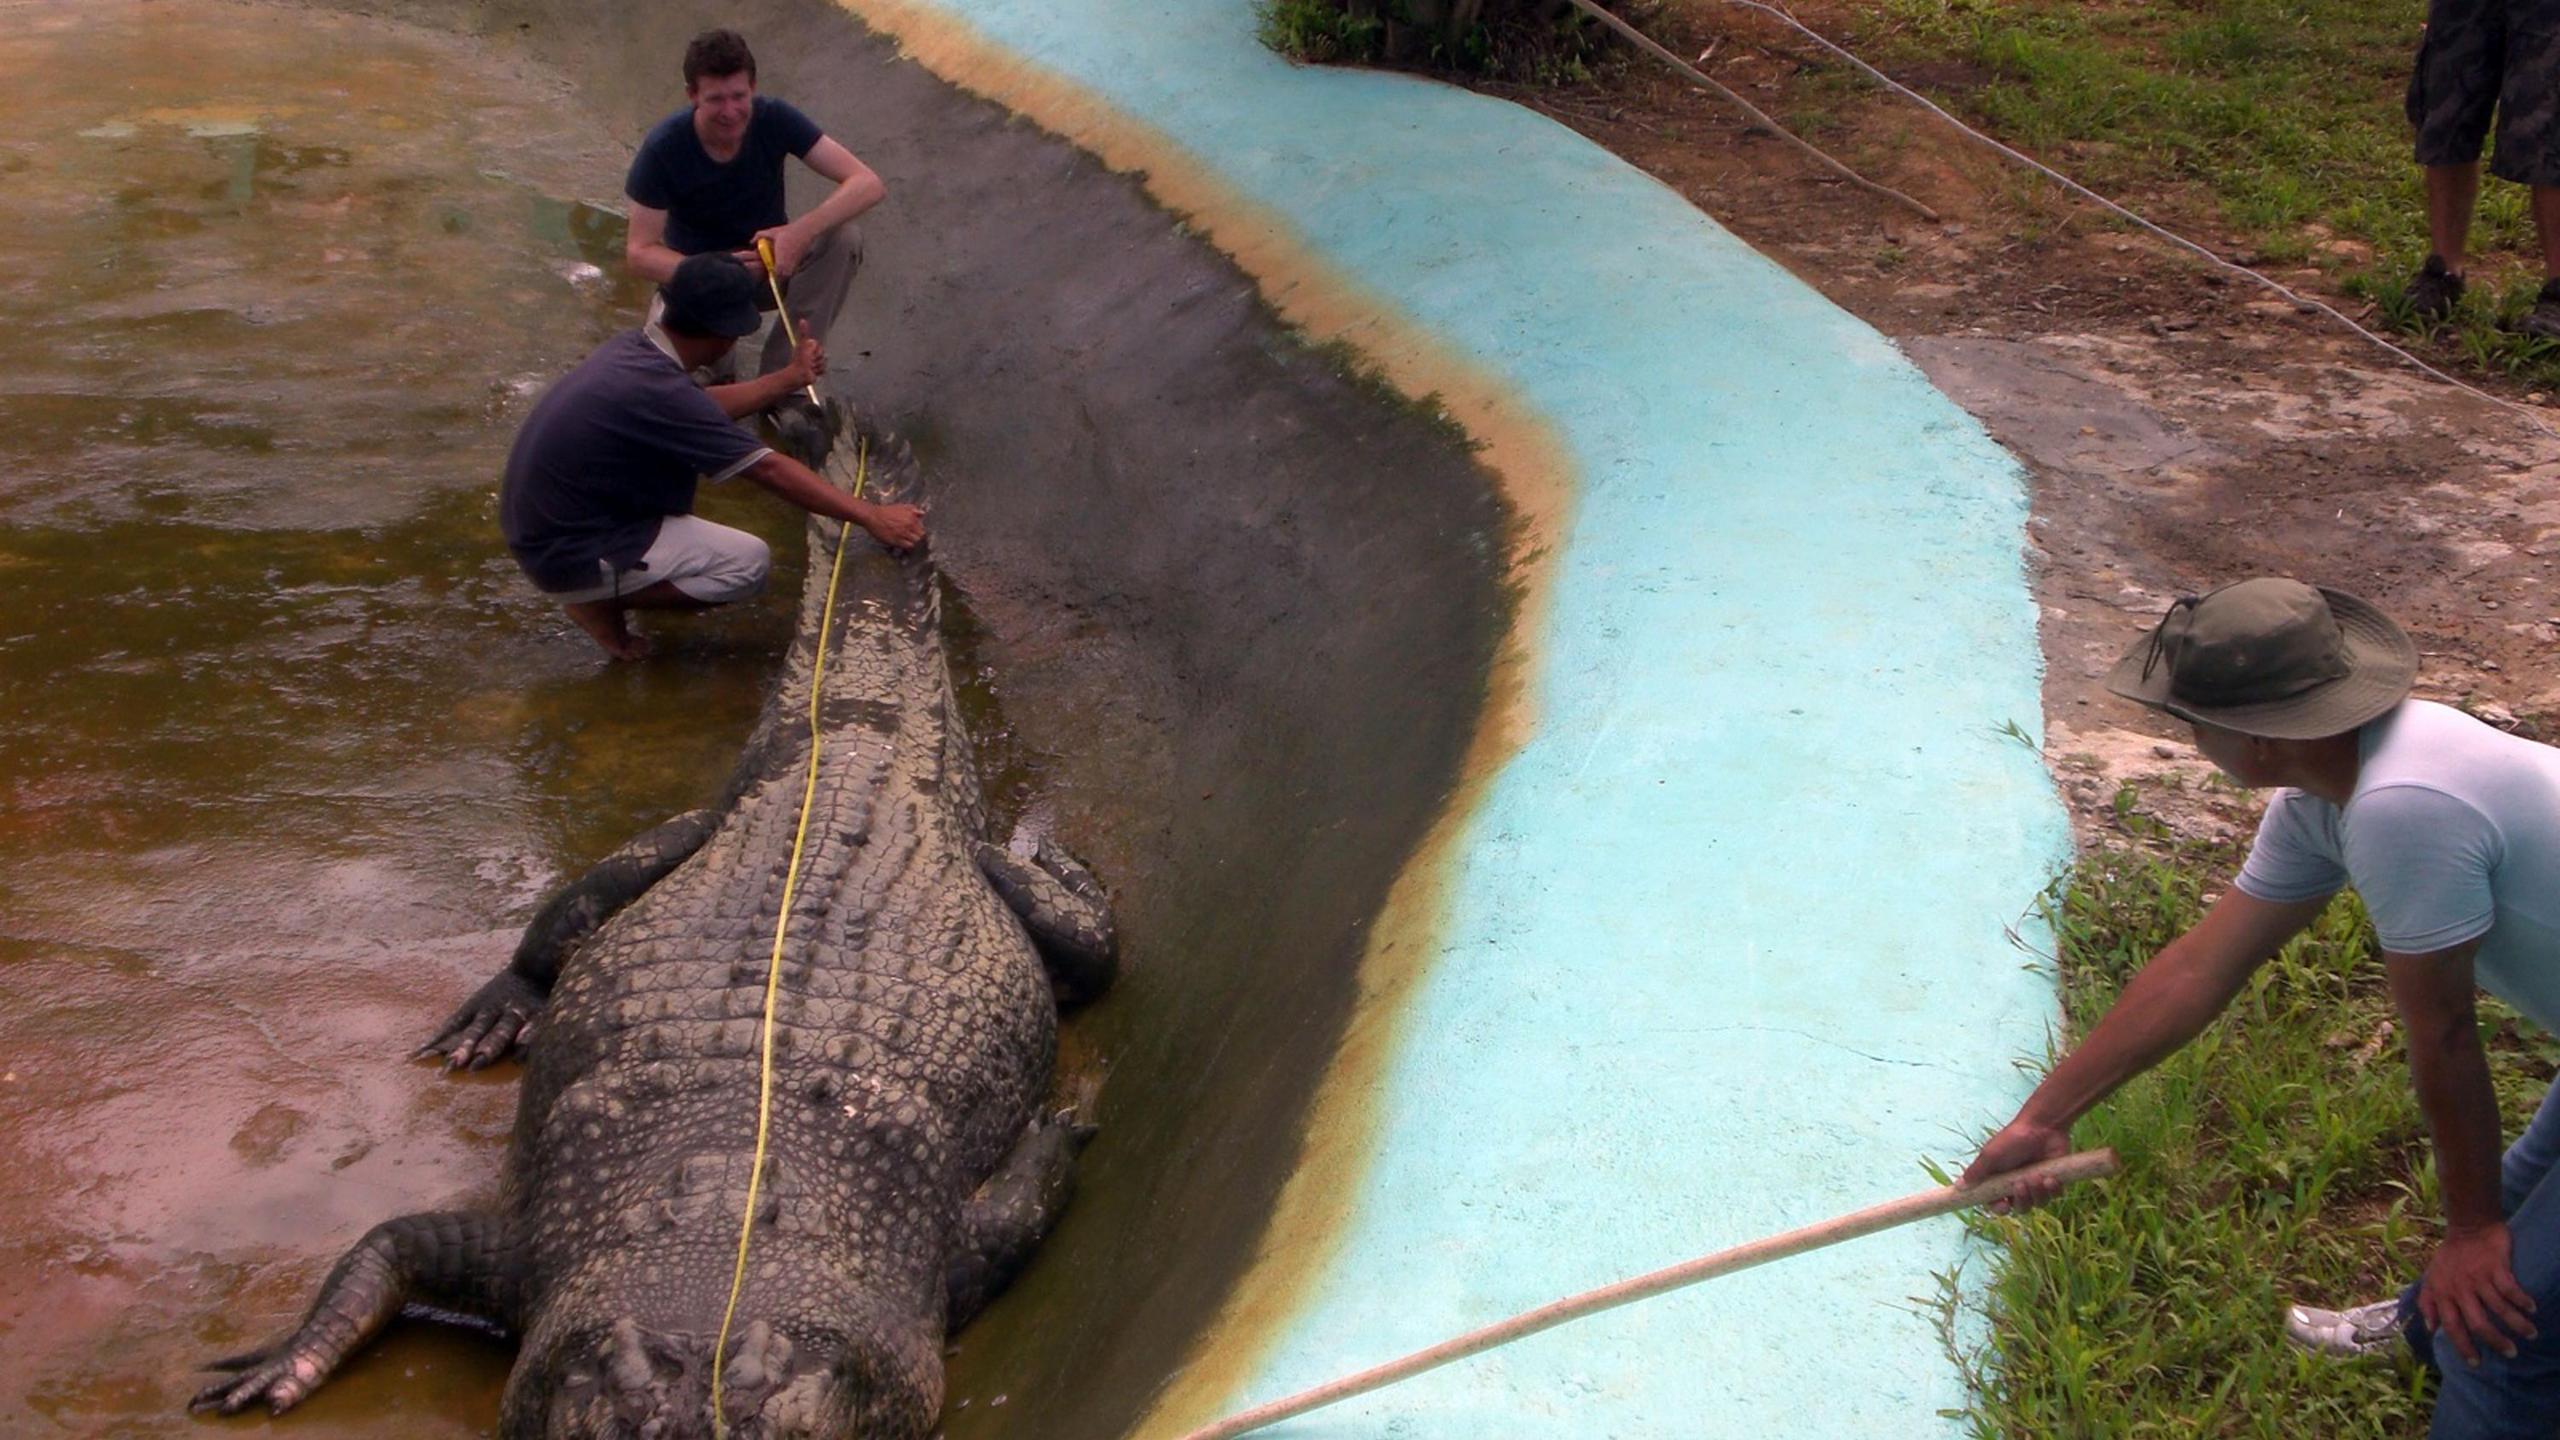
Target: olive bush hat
<point>710,294</point>
<point>2271,657</point>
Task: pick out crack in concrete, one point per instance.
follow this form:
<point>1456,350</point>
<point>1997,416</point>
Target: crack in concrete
<point>1824,1040</point>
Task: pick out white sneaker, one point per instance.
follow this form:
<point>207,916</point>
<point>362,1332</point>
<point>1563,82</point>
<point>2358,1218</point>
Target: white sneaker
<point>2365,1332</point>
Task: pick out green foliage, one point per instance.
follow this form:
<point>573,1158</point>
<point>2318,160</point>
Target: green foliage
<point>2280,1157</point>
<point>1539,42</point>
<point>1320,32</point>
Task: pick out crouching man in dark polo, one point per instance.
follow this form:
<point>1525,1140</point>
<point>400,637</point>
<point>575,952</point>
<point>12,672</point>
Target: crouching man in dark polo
<point>598,496</point>
<point>2450,831</point>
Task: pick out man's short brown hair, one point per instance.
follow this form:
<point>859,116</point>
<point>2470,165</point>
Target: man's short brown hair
<point>718,52</point>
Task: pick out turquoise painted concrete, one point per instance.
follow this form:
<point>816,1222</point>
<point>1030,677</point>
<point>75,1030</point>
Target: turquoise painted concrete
<point>1727,949</point>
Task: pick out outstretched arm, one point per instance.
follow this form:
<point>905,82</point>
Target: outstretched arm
<point>858,188</point>
<point>2167,1003</point>
<point>899,527</point>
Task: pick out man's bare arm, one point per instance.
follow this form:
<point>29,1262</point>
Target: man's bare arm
<point>644,246</point>
<point>2470,1292</point>
<point>858,188</point>
<point>899,527</point>
<point>2166,1004</point>
<point>742,398</point>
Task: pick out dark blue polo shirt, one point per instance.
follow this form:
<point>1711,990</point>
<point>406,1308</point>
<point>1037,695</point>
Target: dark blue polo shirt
<point>611,449</point>
<point>715,206</point>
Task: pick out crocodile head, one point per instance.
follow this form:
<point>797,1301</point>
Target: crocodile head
<point>792,1382</point>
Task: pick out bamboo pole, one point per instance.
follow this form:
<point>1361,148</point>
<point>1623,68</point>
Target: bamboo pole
<point>2087,1165</point>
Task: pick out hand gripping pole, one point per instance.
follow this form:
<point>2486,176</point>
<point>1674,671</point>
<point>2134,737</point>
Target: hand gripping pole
<point>781,313</point>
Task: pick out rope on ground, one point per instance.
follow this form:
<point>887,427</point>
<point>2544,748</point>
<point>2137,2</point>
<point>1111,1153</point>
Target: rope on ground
<point>2069,1169</point>
<point>2305,303</point>
<point>773,967</point>
<point>1695,76</point>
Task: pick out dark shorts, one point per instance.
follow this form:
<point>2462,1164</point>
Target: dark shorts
<point>2485,56</point>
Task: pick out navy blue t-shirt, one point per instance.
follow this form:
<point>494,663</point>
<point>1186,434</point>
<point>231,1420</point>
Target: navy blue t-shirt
<point>715,206</point>
<point>611,449</point>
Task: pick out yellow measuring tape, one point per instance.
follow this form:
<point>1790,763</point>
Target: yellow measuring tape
<point>773,967</point>
<point>781,312</point>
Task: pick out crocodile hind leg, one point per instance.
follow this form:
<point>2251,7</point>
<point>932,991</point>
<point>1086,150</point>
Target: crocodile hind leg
<point>1012,1213</point>
<point>465,1261</point>
<point>1063,907</point>
<point>499,1016</point>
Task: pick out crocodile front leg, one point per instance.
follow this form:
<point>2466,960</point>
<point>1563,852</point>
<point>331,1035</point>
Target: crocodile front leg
<point>1063,907</point>
<point>499,1016</point>
<point>1012,1213</point>
<point>466,1261</point>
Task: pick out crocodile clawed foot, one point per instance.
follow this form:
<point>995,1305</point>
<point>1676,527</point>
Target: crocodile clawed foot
<point>1079,1114</point>
<point>274,1375</point>
<point>495,1022</point>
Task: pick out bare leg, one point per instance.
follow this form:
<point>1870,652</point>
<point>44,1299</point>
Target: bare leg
<point>604,623</point>
<point>2452,190</point>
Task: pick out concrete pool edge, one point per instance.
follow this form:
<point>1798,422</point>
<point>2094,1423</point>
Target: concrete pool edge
<point>1943,482</point>
<point>1513,442</point>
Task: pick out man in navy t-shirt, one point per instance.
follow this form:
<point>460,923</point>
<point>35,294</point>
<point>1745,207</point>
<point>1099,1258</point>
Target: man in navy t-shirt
<point>709,178</point>
<point>598,496</point>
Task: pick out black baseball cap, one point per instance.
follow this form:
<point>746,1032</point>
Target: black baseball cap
<point>710,294</point>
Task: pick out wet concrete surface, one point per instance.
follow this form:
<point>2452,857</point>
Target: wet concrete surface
<point>293,752</point>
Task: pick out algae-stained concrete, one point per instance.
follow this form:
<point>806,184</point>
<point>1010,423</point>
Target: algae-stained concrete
<point>1726,935</point>
<point>1242,605</point>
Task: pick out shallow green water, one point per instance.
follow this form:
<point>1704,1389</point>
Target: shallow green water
<point>290,750</point>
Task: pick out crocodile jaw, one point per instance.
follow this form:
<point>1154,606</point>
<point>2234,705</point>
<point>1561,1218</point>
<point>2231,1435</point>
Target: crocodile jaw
<point>627,1382</point>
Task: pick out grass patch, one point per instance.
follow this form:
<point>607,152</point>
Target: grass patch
<point>1320,32</point>
<point>2280,120</point>
<point>2279,1157</point>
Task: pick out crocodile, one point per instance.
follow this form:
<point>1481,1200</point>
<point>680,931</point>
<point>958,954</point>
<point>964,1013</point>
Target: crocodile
<point>914,1160</point>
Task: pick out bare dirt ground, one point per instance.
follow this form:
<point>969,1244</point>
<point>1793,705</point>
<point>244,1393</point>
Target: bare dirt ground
<point>2183,427</point>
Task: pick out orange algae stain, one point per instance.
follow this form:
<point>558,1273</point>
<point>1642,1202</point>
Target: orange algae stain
<point>1530,465</point>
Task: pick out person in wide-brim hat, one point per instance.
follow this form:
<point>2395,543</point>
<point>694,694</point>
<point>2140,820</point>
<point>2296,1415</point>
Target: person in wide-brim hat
<point>2450,831</point>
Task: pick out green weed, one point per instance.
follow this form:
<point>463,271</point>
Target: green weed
<point>2280,1157</point>
<point>1320,32</point>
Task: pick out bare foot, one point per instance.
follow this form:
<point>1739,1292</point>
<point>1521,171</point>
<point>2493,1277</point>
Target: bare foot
<point>603,622</point>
